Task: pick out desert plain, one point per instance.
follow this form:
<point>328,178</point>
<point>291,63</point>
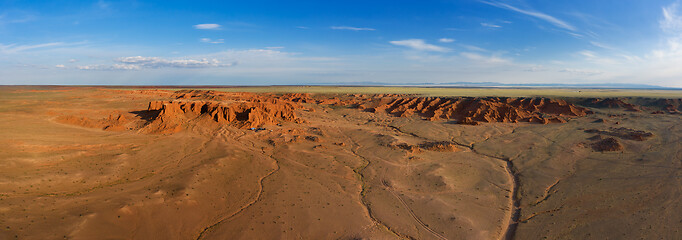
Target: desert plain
<point>339,163</point>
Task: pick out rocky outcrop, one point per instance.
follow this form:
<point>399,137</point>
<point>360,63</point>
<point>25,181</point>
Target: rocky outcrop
<point>427,146</point>
<point>613,103</point>
<point>219,96</point>
<point>610,144</point>
<point>623,133</point>
<point>240,114</point>
<point>468,110</point>
<point>440,146</point>
<point>114,122</point>
<point>607,145</point>
<point>672,106</point>
<point>298,97</point>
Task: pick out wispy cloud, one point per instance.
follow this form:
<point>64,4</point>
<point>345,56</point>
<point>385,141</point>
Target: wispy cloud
<point>473,48</point>
<point>604,46</point>
<point>576,35</point>
<point>553,20</point>
<point>588,54</point>
<point>12,48</point>
<point>140,62</point>
<point>15,16</point>
<point>352,28</point>
<point>671,21</point>
<point>419,44</point>
<point>490,25</point>
<point>609,59</point>
<point>583,72</point>
<point>103,5</point>
<point>446,40</point>
<point>156,62</point>
<point>485,59</point>
<point>671,24</point>
<point>207,26</point>
<point>214,41</point>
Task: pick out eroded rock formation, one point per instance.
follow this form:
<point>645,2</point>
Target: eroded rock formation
<point>240,114</point>
<point>440,146</point>
<point>427,146</point>
<point>607,145</point>
<point>467,110</point>
<point>115,122</point>
<point>623,133</point>
<point>672,106</point>
<point>610,103</point>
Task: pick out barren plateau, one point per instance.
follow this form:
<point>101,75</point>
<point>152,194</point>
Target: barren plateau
<point>148,163</point>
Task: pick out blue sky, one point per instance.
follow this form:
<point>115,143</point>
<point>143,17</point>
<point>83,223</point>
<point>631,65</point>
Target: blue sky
<point>311,42</point>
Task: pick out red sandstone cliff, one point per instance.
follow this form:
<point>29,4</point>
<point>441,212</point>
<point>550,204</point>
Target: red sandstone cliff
<point>240,114</point>
<point>474,110</point>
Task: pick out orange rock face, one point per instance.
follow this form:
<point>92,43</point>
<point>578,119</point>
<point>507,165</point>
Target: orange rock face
<point>298,97</point>
<point>115,122</point>
<point>240,114</point>
<point>475,110</point>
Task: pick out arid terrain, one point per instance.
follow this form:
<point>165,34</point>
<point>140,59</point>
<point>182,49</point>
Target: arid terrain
<point>277,163</point>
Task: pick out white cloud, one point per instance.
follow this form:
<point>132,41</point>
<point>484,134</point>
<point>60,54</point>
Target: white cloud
<point>584,72</point>
<point>576,35</point>
<point>60,66</point>
<point>671,21</point>
<point>671,24</point>
<point>554,21</point>
<point>473,48</point>
<point>155,62</point>
<point>446,40</point>
<point>109,67</point>
<point>90,67</point>
<point>352,28</point>
<point>588,54</point>
<point>208,40</point>
<point>602,45</point>
<point>103,5</point>
<point>419,44</point>
<point>485,59</point>
<point>207,26</point>
<point>12,48</point>
<point>609,60</point>
<point>126,67</point>
<point>490,25</point>
<point>139,62</point>
<point>16,16</point>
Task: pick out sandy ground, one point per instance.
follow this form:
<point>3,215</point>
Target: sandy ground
<point>338,175</point>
